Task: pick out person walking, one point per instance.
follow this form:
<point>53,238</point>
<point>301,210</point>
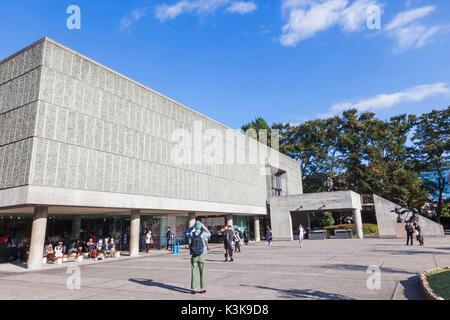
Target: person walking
<point>246,236</point>
<point>170,238</point>
<point>148,241</point>
<point>301,234</point>
<point>198,235</point>
<point>409,233</point>
<point>268,235</point>
<point>418,232</point>
<point>228,243</point>
<point>143,246</point>
<point>237,240</point>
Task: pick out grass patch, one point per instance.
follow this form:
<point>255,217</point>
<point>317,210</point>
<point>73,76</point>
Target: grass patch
<point>439,282</point>
<point>367,228</point>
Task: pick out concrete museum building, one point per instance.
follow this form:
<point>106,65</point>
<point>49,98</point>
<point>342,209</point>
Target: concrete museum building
<point>87,151</point>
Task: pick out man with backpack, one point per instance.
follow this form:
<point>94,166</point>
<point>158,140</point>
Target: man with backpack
<point>198,235</point>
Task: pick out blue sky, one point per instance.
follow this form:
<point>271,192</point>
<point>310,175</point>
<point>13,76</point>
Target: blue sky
<point>284,60</point>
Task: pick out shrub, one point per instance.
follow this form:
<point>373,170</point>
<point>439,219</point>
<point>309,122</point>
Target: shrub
<point>367,228</point>
<point>322,219</point>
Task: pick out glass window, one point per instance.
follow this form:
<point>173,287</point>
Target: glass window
<point>277,185</point>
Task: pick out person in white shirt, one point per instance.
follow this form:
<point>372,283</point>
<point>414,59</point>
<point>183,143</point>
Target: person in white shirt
<point>59,250</point>
<point>301,234</point>
<point>148,240</point>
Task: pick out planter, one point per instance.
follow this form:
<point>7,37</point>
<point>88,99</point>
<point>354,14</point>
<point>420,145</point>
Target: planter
<point>426,286</point>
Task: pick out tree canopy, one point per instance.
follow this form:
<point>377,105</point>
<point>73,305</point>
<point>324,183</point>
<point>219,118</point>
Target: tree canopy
<point>405,157</point>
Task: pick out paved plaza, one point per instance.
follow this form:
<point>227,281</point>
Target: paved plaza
<point>331,269</point>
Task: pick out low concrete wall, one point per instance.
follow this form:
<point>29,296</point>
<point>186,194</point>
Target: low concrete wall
<point>387,221</point>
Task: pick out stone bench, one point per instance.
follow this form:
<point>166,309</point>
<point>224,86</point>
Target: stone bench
<point>343,233</point>
<point>318,235</point>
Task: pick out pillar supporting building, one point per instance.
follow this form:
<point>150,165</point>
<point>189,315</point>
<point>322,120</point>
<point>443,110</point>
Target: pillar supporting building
<point>37,241</point>
<point>135,226</point>
<point>257,229</point>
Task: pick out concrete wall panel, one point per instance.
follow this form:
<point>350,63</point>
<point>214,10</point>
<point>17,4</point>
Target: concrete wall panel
<point>92,129</point>
<point>387,220</point>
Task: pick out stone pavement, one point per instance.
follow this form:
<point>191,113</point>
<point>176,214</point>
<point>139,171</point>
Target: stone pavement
<point>330,269</point>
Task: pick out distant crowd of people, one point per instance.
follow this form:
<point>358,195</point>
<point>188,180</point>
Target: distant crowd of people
<point>93,247</point>
<point>13,248</point>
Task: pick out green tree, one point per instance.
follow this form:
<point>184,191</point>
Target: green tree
<point>259,125</point>
<point>431,154</point>
<point>315,145</point>
<point>386,154</point>
<point>322,219</point>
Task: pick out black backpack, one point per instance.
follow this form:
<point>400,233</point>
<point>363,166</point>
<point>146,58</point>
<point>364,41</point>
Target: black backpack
<point>196,244</point>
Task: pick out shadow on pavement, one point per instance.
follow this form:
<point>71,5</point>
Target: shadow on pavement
<point>303,294</point>
<point>412,252</point>
<point>413,290</point>
<point>151,283</point>
<point>355,267</point>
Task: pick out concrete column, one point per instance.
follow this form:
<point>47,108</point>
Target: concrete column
<point>76,226</point>
<point>229,220</point>
<point>191,218</point>
<point>135,227</point>
<point>257,234</point>
<point>358,223</point>
<point>37,242</point>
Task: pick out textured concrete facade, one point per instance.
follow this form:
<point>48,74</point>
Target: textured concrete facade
<point>19,90</point>
<point>70,123</point>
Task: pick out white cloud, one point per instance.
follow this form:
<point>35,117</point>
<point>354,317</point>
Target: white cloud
<point>404,18</point>
<point>305,18</point>
<point>241,7</point>
<point>408,32</point>
<point>134,16</point>
<point>384,101</point>
<point>414,36</point>
<point>166,12</point>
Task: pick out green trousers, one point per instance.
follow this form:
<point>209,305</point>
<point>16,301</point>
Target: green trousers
<point>198,264</point>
